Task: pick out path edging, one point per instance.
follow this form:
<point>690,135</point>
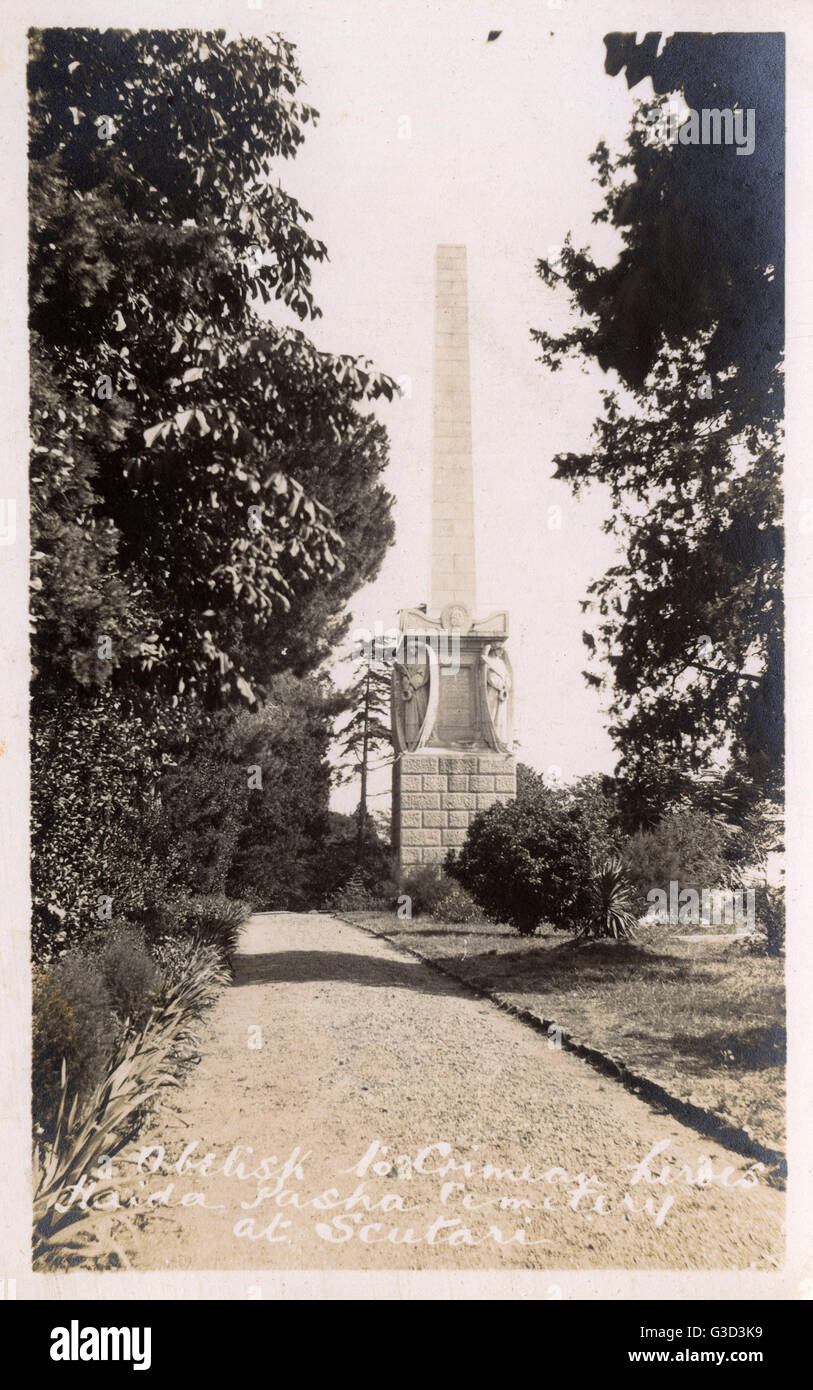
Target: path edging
<point>709,1123</point>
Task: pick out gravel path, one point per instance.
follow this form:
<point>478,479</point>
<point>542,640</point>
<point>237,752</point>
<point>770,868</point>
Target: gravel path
<point>361,1046</point>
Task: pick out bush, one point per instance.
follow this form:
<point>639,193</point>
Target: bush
<point>173,956</point>
<point>689,847</point>
<point>132,1075</point>
<point>456,905</point>
<point>130,974</point>
<point>209,920</point>
<point>425,887</point>
<point>204,801</point>
<point>96,824</point>
<point>73,1022</point>
<point>529,860</point>
<point>281,851</point>
<point>338,860</point>
<point>353,896</point>
<point>770,907</point>
<point>53,1034</point>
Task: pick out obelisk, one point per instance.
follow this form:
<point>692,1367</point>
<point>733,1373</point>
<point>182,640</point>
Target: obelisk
<point>453,568</point>
<point>452,689</point>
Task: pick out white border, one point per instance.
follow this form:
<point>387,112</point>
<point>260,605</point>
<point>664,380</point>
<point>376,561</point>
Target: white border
<point>796,1279</point>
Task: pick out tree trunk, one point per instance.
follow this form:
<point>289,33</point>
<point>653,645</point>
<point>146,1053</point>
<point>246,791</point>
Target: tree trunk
<point>364,756</point>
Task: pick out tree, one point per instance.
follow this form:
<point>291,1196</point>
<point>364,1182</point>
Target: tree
<point>690,316</point>
<point>285,810</point>
<point>205,485</point>
<point>168,416</point>
<point>367,732</point>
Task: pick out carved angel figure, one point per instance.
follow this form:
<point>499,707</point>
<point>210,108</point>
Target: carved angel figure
<point>498,685</point>
<point>415,698</point>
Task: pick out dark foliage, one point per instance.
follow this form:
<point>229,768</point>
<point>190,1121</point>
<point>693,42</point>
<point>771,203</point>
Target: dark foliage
<point>531,860</point>
<point>73,1024</point>
<point>691,317</point>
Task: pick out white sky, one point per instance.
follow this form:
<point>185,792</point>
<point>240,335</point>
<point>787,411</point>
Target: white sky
<point>497,159</point>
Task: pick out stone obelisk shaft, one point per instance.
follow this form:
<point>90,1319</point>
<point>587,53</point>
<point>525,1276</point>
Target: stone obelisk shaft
<point>454,763</point>
<point>453,569</point>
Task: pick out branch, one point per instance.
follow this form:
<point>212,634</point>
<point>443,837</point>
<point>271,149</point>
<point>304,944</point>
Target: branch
<point>711,671</point>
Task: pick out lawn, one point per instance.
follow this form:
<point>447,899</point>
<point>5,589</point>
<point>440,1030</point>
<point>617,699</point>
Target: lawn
<point>705,1020</point>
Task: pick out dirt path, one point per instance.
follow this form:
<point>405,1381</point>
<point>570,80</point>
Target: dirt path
<point>360,1045</point>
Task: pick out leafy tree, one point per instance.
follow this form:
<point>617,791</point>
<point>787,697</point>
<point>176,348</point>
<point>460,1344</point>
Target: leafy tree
<point>591,800</point>
<point>163,405</point>
<point>285,820</point>
<point>690,316</point>
<point>205,485</point>
<point>336,865</point>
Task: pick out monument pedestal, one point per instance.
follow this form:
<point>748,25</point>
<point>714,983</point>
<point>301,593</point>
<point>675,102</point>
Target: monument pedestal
<point>436,794</point>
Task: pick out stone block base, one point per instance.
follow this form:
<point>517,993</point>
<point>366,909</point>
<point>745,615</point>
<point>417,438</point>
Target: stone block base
<point>435,797</point>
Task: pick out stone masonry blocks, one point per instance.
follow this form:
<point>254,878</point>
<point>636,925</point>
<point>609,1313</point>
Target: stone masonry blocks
<point>481,784</point>
<point>433,819</point>
<point>415,764</point>
<point>503,765</point>
<point>434,784</point>
<point>421,801</point>
<point>411,820</point>
<point>421,837</point>
<point>458,784</point>
<point>457,766</point>
<point>459,801</point>
<point>411,784</point>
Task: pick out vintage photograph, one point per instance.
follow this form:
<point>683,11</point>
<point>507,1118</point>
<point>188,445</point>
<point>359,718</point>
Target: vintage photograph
<point>406,392</point>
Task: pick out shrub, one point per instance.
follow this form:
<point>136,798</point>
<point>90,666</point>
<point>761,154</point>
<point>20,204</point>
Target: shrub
<point>191,988</point>
<point>173,956</point>
<point>281,851</point>
<point>771,913</point>
<point>73,1022</point>
<point>135,1072</point>
<point>53,1034</point>
<point>456,905</point>
<point>338,858</point>
<point>96,825</point>
<point>689,847</point>
<point>204,804</point>
<point>529,860</point>
<point>130,974</point>
<point>209,920</point>
<point>425,887</point>
<point>353,896</point>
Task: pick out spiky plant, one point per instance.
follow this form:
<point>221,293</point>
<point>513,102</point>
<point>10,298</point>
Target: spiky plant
<point>143,1066</point>
<point>612,902</point>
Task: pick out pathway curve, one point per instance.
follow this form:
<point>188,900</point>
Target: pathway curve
<point>331,1041</point>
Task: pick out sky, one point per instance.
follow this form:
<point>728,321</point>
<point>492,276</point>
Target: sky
<point>429,134</point>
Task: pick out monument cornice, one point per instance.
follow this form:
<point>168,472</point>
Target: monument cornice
<point>416,620</point>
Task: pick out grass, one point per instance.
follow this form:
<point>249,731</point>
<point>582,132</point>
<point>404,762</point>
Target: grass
<point>706,1020</point>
